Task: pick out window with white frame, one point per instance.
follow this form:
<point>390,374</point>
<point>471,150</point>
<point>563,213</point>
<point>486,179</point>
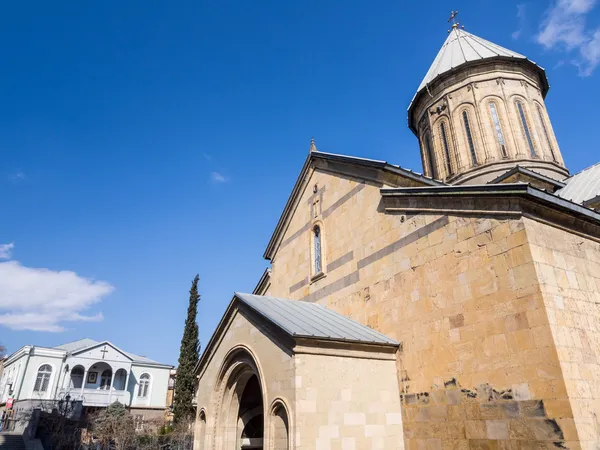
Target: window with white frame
<point>43,379</point>
<point>144,386</point>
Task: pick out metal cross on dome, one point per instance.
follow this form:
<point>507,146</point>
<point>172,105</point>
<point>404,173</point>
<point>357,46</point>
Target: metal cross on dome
<point>453,14</point>
<point>104,352</point>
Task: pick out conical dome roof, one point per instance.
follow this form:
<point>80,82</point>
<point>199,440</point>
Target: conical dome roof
<point>462,47</point>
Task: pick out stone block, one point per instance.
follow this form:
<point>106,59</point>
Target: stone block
<point>532,408</point>
<point>482,444</point>
<point>560,408</point>
<point>546,430</point>
<point>475,429</point>
<point>497,429</point>
<point>520,429</point>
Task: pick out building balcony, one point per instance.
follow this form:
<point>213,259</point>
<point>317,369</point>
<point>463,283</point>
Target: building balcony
<point>97,397</point>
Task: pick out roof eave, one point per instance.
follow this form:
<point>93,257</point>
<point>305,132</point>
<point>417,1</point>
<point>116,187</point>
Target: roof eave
<point>377,164</point>
<point>521,189</point>
<point>530,173</point>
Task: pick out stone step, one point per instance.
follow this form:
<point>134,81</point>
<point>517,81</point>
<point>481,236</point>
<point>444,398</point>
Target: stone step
<point>11,442</point>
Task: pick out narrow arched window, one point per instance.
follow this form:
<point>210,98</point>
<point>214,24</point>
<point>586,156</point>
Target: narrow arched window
<point>526,130</point>
<point>144,385</point>
<point>105,379</point>
<point>446,148</point>
<point>429,154</point>
<point>43,378</point>
<point>317,260</point>
<point>469,138</point>
<point>498,129</point>
<point>543,122</point>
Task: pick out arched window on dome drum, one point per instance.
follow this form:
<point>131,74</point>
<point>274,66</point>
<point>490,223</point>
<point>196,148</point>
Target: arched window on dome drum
<point>469,138</point>
<point>446,148</point>
<point>526,130</point>
<point>43,379</point>
<point>543,122</point>
<point>498,129</point>
<point>317,265</point>
<point>429,154</point>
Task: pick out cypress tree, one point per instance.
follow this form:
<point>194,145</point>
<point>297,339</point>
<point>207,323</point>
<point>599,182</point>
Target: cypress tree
<point>188,357</point>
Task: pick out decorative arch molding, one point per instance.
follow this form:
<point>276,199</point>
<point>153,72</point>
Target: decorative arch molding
<point>201,429</point>
<point>239,365</point>
<point>445,142</point>
<point>316,273</point>
<point>523,116</point>
<point>497,125</point>
<point>547,139</point>
<point>279,410</point>
<point>471,143</point>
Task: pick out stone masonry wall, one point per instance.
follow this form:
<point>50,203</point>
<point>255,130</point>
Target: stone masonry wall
<point>568,267</point>
<point>478,367</point>
<point>347,403</point>
<point>276,366</point>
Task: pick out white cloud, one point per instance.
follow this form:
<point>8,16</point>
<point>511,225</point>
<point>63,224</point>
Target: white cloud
<point>207,156</point>
<point>564,28</point>
<point>42,299</point>
<point>216,177</point>
<point>6,250</point>
<point>521,14</point>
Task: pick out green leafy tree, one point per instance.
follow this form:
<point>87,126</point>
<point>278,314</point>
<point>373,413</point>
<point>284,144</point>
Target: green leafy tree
<point>185,383</point>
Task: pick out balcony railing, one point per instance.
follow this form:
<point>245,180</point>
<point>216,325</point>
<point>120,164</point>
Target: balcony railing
<point>97,397</point>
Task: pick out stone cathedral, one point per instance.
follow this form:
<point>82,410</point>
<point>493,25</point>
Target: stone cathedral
<point>454,309</point>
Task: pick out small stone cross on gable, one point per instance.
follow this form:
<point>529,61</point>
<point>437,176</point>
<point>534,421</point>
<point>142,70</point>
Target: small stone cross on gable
<point>104,352</point>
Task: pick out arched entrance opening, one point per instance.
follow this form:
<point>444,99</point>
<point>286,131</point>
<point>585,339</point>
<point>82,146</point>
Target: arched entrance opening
<point>251,418</point>
<point>240,420</point>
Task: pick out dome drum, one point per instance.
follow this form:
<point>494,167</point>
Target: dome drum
<point>479,119</point>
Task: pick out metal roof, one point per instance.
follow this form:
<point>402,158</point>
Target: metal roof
<point>80,344</point>
<point>582,186</point>
<point>461,47</point>
<point>303,319</point>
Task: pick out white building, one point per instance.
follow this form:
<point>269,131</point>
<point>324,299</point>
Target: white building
<point>97,373</point>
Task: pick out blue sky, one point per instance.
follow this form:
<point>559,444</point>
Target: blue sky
<point>144,142</point>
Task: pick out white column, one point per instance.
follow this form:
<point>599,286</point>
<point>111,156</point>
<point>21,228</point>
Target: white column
<point>111,384</point>
<point>127,387</point>
<point>85,374</point>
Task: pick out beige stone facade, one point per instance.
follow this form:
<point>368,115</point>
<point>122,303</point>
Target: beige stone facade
<point>487,278</point>
<point>482,95</point>
<point>312,395</point>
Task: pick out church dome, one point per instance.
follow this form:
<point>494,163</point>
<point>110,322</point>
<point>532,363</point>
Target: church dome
<point>462,47</point>
<point>480,111</point>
